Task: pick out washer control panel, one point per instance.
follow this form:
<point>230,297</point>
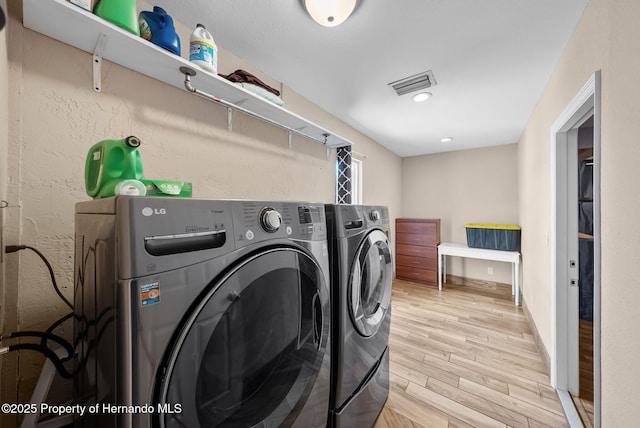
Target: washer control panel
<point>261,220</point>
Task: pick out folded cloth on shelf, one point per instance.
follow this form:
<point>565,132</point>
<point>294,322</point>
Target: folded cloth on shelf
<point>244,76</point>
<point>259,90</point>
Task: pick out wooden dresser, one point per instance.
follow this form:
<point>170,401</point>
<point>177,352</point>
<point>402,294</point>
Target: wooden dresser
<point>417,250</point>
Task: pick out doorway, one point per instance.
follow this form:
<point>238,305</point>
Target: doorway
<point>583,399</point>
<point>581,116</point>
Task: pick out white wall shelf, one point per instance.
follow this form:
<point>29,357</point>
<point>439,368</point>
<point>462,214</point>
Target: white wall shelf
<point>81,29</point>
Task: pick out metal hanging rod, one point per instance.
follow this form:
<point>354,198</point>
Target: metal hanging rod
<point>189,72</point>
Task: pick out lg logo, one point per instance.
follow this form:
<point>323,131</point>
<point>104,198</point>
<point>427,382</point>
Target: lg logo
<point>148,212</point>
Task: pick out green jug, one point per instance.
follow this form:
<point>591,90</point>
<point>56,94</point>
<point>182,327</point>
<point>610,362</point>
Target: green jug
<point>114,167</point>
<point>120,12</point>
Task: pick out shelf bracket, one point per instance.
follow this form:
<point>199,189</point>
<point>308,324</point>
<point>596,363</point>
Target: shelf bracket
<point>229,119</point>
<point>290,138</point>
<point>97,62</point>
<point>325,136</point>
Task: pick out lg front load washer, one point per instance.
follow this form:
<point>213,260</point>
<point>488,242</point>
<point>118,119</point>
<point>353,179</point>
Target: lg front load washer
<point>201,313</point>
<point>361,279</point>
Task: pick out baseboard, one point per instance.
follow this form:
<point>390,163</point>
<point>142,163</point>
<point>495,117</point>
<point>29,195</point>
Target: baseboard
<point>536,336</point>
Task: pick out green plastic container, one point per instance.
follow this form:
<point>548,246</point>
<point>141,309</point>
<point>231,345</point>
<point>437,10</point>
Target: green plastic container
<point>109,164</point>
<point>122,13</point>
<point>493,236</point>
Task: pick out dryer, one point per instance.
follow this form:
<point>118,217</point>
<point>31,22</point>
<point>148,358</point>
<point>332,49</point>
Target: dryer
<point>361,280</point>
<point>203,313</point>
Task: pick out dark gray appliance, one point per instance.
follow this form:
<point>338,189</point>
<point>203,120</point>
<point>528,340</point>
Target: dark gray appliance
<point>361,279</point>
<point>202,313</point>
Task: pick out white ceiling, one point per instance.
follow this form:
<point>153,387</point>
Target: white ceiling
<point>490,59</point>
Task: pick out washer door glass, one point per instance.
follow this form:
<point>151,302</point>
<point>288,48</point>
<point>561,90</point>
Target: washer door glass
<point>370,286</point>
<point>250,351</point>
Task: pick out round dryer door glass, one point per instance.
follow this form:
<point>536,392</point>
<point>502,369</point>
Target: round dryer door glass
<point>251,350</point>
<point>371,279</point>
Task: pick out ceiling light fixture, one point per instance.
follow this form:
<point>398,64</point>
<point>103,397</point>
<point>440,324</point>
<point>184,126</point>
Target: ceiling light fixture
<point>330,13</point>
<point>446,139</point>
<point>421,97</point>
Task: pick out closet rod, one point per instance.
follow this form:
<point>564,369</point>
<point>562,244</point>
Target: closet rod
<point>188,72</point>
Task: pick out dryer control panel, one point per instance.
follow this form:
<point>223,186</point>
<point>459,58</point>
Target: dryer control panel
<point>351,220</point>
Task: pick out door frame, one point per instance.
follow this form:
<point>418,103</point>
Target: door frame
<point>564,355</point>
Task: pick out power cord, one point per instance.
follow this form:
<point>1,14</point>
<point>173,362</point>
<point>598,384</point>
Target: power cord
<point>43,347</point>
<point>13,248</point>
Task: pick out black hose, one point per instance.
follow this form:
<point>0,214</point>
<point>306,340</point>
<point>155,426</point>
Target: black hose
<point>49,336</point>
<point>52,327</point>
<point>47,353</point>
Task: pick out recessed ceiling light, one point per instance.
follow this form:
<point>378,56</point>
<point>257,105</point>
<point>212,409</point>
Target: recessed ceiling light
<point>422,96</point>
<point>446,139</point>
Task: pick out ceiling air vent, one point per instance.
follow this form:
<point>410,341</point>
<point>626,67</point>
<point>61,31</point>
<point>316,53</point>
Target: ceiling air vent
<point>414,83</point>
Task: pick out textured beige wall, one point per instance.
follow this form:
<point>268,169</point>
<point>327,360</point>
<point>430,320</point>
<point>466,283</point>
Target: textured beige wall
<point>8,275</point>
<point>4,143</point>
<point>55,116</point>
<point>606,38</point>
<point>469,186</point>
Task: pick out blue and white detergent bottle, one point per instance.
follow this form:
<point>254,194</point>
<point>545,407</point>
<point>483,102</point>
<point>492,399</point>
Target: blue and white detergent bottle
<point>157,27</point>
<point>203,50</point>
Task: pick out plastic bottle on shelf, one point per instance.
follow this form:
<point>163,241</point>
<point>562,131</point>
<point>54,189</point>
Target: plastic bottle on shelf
<point>203,50</point>
<point>120,12</point>
<point>157,27</point>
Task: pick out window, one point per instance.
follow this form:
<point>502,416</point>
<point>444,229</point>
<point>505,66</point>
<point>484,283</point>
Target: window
<point>356,181</point>
<point>348,177</point>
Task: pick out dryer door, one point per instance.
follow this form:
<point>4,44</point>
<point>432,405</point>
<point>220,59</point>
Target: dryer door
<point>250,351</point>
<point>370,285</point>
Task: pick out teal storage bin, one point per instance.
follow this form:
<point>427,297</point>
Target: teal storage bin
<point>493,236</point>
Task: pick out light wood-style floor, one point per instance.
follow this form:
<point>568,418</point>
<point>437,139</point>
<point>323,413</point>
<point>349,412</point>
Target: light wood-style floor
<point>465,357</point>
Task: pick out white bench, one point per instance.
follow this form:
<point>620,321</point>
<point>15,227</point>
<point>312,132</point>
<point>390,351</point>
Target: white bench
<point>461,250</point>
